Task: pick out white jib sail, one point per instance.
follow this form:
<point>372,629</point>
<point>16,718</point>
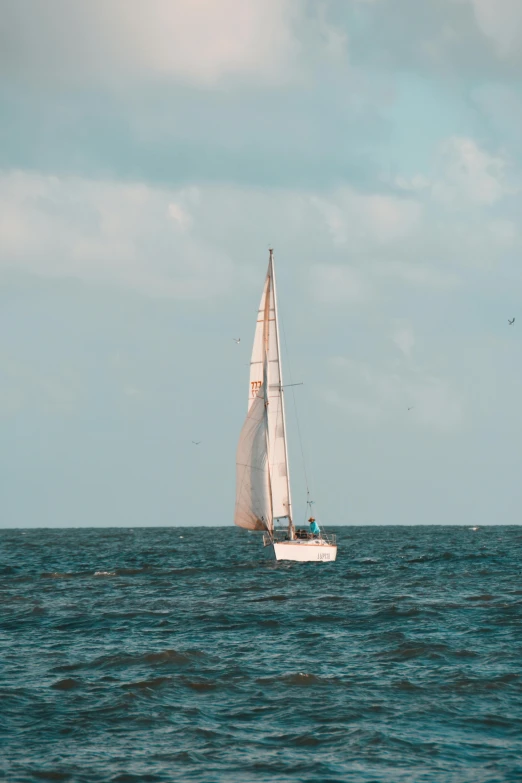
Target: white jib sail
<point>265,380</point>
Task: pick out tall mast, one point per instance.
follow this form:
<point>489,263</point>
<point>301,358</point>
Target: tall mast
<point>266,380</point>
<point>273,282</point>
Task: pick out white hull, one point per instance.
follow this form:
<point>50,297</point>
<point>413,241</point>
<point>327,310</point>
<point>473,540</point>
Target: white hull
<point>312,551</point>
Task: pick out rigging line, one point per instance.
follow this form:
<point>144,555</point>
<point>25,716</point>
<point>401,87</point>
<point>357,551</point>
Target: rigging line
<point>295,409</point>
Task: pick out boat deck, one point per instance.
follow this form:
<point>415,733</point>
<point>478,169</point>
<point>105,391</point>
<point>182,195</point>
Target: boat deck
<point>280,536</point>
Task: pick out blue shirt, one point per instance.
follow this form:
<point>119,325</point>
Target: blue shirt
<point>314,528</point>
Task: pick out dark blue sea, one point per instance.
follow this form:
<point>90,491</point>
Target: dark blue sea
<point>182,654</point>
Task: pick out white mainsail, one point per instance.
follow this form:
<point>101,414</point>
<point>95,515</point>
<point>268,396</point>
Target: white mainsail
<point>263,483</point>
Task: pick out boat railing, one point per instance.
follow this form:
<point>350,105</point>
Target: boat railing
<point>329,538</point>
<point>301,535</point>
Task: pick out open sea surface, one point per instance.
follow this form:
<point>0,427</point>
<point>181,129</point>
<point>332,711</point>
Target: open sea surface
<point>183,654</point>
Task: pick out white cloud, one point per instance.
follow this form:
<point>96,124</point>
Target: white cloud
<point>469,174</point>
<point>179,243</point>
<point>133,392</point>
<point>353,217</point>
<point>22,383</point>
<point>109,233</point>
<point>180,216</point>
<point>414,184</point>
<point>199,242</point>
<point>335,38</point>
<point>267,41</point>
<point>418,274</point>
<point>339,284</point>
<point>504,233</point>
<point>501,107</point>
<point>404,339</point>
<point>356,408</point>
<point>427,238</point>
<point>382,393</point>
<point>200,41</point>
<point>501,21</point>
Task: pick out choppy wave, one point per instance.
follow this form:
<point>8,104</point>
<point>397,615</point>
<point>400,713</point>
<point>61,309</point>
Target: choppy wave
<point>173,655</point>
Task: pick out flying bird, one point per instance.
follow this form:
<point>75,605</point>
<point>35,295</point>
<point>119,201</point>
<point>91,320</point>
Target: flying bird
<point>196,442</point>
<point>511,322</point>
<point>237,341</point>
<point>412,407</point>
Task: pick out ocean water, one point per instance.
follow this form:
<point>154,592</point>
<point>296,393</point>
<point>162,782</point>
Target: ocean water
<point>185,655</point>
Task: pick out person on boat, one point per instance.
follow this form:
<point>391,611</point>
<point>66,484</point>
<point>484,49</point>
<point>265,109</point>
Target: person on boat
<point>315,530</point>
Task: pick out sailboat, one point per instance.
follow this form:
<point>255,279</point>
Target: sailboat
<point>263,499</point>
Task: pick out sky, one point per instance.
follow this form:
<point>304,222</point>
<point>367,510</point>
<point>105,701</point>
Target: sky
<point>151,153</point>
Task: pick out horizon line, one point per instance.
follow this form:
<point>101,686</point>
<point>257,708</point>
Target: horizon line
<point>232,527</point>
